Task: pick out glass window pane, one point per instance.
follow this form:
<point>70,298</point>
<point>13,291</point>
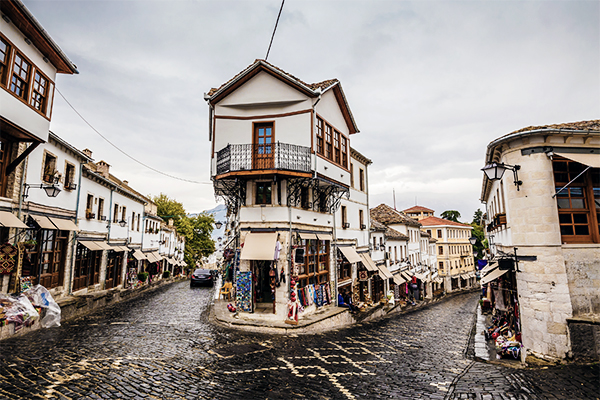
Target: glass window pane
<point>565,218</point>
<point>566,230</point>
<point>561,177</point>
<point>580,218</point>
<point>577,203</point>
<point>563,203</point>
<point>576,192</point>
<point>268,131</point>
<point>261,132</point>
<point>581,230</point>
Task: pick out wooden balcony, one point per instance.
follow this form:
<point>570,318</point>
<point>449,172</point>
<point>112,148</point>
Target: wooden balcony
<point>265,158</point>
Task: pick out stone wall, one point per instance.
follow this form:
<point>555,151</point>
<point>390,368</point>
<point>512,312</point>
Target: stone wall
<point>582,263</point>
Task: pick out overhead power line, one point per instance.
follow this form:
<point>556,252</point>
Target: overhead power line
<point>123,152</point>
<point>274,29</point>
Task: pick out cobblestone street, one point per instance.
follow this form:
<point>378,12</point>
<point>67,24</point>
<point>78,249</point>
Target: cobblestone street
<point>160,346</point>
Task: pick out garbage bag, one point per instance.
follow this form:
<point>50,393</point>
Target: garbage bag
<point>41,297</point>
<point>18,309</point>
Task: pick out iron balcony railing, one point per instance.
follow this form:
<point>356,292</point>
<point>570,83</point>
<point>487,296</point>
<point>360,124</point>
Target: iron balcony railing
<point>247,157</point>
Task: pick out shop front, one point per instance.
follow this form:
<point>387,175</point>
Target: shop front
<point>114,266</point>
<point>88,261</point>
<point>500,303</point>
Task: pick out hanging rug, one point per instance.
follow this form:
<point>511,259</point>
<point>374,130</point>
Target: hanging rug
<point>8,258</point>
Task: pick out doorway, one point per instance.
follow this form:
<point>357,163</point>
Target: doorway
<point>264,286</point>
<point>263,146</point>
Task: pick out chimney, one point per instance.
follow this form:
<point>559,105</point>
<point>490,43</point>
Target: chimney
<point>170,222</point>
<point>87,152</point>
<point>102,168</point>
<point>126,183</point>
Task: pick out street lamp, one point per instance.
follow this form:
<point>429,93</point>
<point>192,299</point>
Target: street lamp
<point>473,240</point>
<point>495,171</point>
<point>51,190</point>
<point>218,224</point>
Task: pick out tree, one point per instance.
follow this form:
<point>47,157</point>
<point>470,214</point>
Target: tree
<point>451,215</point>
<point>196,230</point>
<point>478,217</point>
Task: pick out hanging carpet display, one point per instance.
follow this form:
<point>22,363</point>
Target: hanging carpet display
<point>8,258</point>
<point>243,291</point>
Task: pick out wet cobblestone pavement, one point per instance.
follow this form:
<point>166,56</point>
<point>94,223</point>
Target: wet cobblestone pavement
<point>160,346</point>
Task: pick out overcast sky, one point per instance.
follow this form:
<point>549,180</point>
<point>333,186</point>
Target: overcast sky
<point>430,83</point>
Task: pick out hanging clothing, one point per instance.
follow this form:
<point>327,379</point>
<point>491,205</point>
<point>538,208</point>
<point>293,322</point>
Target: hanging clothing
<point>277,250</point>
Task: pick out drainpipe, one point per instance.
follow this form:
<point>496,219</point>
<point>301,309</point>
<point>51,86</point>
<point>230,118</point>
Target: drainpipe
<point>21,185</point>
<point>335,279</point>
<point>75,235</point>
<point>110,207</point>
<point>314,116</point>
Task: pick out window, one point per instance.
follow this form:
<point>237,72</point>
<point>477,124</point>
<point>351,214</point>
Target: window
<point>304,197</point>
<point>374,243</point>
<point>361,178</point>
<point>351,175</point>
<point>19,83</point>
<point>263,193</point>
<point>440,250</point>
<point>395,253</point>
<point>429,232</point>
<point>320,149</point>
<point>344,218</point>
<point>124,213</point>
<point>100,209</point>
<point>133,220</point>
<point>344,268</point>
<point>441,264</point>
<point>88,206</point>
<point>328,142</point>
<point>138,223</point>
<point>4,60</point>
<point>344,152</point>
<point>49,168</point>
<point>439,233</point>
<point>315,266</point>
<point>579,203</point>
<point>5,150</point>
<point>116,214</point>
<point>39,93</point>
<point>264,141</point>
<point>49,254</point>
<point>69,177</point>
<point>336,147</point>
<point>87,267</point>
<point>360,219</point>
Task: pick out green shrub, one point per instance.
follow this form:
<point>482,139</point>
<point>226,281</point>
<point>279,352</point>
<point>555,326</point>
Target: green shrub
<point>143,276</point>
<point>166,274</point>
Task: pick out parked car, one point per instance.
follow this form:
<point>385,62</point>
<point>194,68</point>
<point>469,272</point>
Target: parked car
<point>202,277</point>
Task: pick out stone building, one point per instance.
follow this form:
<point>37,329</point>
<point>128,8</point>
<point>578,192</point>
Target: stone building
<point>546,208</point>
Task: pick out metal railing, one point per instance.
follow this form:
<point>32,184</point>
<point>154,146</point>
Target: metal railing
<point>247,157</point>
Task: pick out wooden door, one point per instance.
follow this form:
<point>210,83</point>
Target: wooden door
<point>263,148</point>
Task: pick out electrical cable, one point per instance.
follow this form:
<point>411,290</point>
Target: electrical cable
<point>123,152</point>
<point>274,29</point>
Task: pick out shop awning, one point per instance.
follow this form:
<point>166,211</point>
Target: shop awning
<point>350,254</point>
<point>368,262</point>
<point>43,222</point>
<point>259,246</point>
<point>398,280</point>
<point>119,248</point>
<point>591,160</point>
<point>384,272</point>
<point>406,276</point>
<point>104,245</point>
<point>157,256</point>
<point>308,236</point>
<point>91,245</point>
<point>10,220</point>
<point>495,274</point>
<point>172,260</point>
<point>138,255</point>
<point>324,236</point>
<point>151,257</point>
<point>64,224</point>
<point>421,277</point>
<point>489,268</point>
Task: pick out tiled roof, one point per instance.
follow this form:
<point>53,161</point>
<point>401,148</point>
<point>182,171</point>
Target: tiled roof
<point>387,215</point>
<point>394,234</point>
<point>314,86</point>
<point>417,209</point>
<point>591,125</point>
<point>376,225</point>
<point>435,221</point>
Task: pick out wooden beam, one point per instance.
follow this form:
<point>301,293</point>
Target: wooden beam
<point>11,167</point>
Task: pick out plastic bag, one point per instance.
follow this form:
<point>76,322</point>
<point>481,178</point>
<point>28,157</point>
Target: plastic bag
<point>41,297</point>
<point>18,310</point>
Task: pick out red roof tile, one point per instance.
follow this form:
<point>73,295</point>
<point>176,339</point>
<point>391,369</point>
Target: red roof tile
<point>591,125</point>
<point>435,221</point>
<point>417,209</point>
<point>387,216</point>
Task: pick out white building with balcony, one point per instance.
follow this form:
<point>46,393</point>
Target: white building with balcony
<point>281,160</point>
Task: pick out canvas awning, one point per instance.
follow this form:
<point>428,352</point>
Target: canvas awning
<point>495,274</point>
<point>151,257</point>
<point>591,160</point>
<point>138,255</point>
<point>324,236</point>
<point>384,272</point>
<point>351,254</point>
<point>43,222</point>
<point>308,236</point>
<point>398,279</point>
<point>157,256</point>
<point>488,268</point>
<point>259,246</point>
<point>405,275</point>
<point>64,224</point>
<point>367,262</point>
<point>421,277</point>
<point>119,248</point>
<point>104,246</point>
<point>10,220</point>
<point>91,245</point>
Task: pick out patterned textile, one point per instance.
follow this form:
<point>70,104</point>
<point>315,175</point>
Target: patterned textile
<point>318,295</point>
<point>8,258</point>
<point>243,291</point>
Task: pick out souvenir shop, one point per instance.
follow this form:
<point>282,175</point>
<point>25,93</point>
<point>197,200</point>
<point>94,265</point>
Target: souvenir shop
<point>499,301</point>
